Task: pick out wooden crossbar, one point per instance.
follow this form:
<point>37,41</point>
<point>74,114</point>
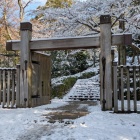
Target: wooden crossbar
<point>69,43</point>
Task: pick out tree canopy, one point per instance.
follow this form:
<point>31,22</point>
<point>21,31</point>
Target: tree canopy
<point>82,18</point>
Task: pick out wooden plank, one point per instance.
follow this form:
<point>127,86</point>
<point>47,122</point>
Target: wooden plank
<point>105,62</point>
<point>4,89</point>
<point>139,76</point>
<point>13,89</point>
<point>18,86</point>
<point>49,77</point>
<point>115,88</point>
<point>128,89</point>
<point>134,89</point>
<point>0,87</point>
<point>122,90</point>
<point>8,88</point>
<point>112,59</point>
<point>80,42</point>
<point>21,89</point>
<point>35,79</point>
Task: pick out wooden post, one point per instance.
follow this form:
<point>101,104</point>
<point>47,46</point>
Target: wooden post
<point>112,57</point>
<point>18,86</point>
<point>122,48</point>
<point>4,89</point>
<point>122,55</point>
<point>115,88</point>
<point>122,89</point>
<point>105,62</point>
<point>128,89</point>
<point>134,89</point>
<point>8,87</point>
<point>25,65</point>
<point>13,88</point>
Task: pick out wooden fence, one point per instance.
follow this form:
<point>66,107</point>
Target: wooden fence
<point>126,87</point>
<point>8,82</point>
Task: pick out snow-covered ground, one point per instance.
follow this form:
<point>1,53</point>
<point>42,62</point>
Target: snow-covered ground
<point>30,123</point>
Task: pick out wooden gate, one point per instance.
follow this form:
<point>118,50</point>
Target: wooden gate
<point>27,45</point>
<point>10,93</point>
<point>41,79</point>
<point>126,88</point>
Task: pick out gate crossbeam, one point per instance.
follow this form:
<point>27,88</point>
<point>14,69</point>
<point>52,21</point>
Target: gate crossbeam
<point>69,43</point>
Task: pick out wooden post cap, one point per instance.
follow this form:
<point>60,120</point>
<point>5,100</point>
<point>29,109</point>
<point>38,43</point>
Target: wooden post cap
<point>104,19</point>
<point>25,26</point>
<point>9,45</point>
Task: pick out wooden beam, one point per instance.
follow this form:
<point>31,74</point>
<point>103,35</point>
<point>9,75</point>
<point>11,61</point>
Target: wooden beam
<point>65,43</point>
<point>69,42</point>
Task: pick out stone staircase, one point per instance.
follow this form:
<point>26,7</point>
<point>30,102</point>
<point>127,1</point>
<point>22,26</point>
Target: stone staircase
<point>84,89</point>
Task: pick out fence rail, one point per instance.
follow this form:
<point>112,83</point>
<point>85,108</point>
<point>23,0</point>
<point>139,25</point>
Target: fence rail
<point>126,88</point>
<point>8,87</point>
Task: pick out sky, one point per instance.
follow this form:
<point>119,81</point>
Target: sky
<point>33,6</point>
<point>37,3</point>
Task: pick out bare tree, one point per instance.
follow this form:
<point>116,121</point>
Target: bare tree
<point>22,6</point>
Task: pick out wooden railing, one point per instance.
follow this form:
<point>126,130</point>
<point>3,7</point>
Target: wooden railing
<point>126,88</point>
<point>8,82</point>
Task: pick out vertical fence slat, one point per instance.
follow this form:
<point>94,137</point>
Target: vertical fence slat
<point>122,90</point>
<point>115,88</point>
<point>18,86</point>
<point>134,89</point>
<point>4,89</point>
<point>128,89</point>
<point>0,89</point>
<point>13,88</point>
<point>139,77</point>
<point>8,88</point>
<point>112,70</point>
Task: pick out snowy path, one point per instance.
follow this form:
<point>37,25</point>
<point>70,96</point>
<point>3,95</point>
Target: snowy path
<point>37,133</point>
<point>33,124</point>
<point>85,89</point>
<point>60,118</point>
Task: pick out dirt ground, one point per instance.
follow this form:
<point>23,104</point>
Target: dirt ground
<point>75,109</point>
